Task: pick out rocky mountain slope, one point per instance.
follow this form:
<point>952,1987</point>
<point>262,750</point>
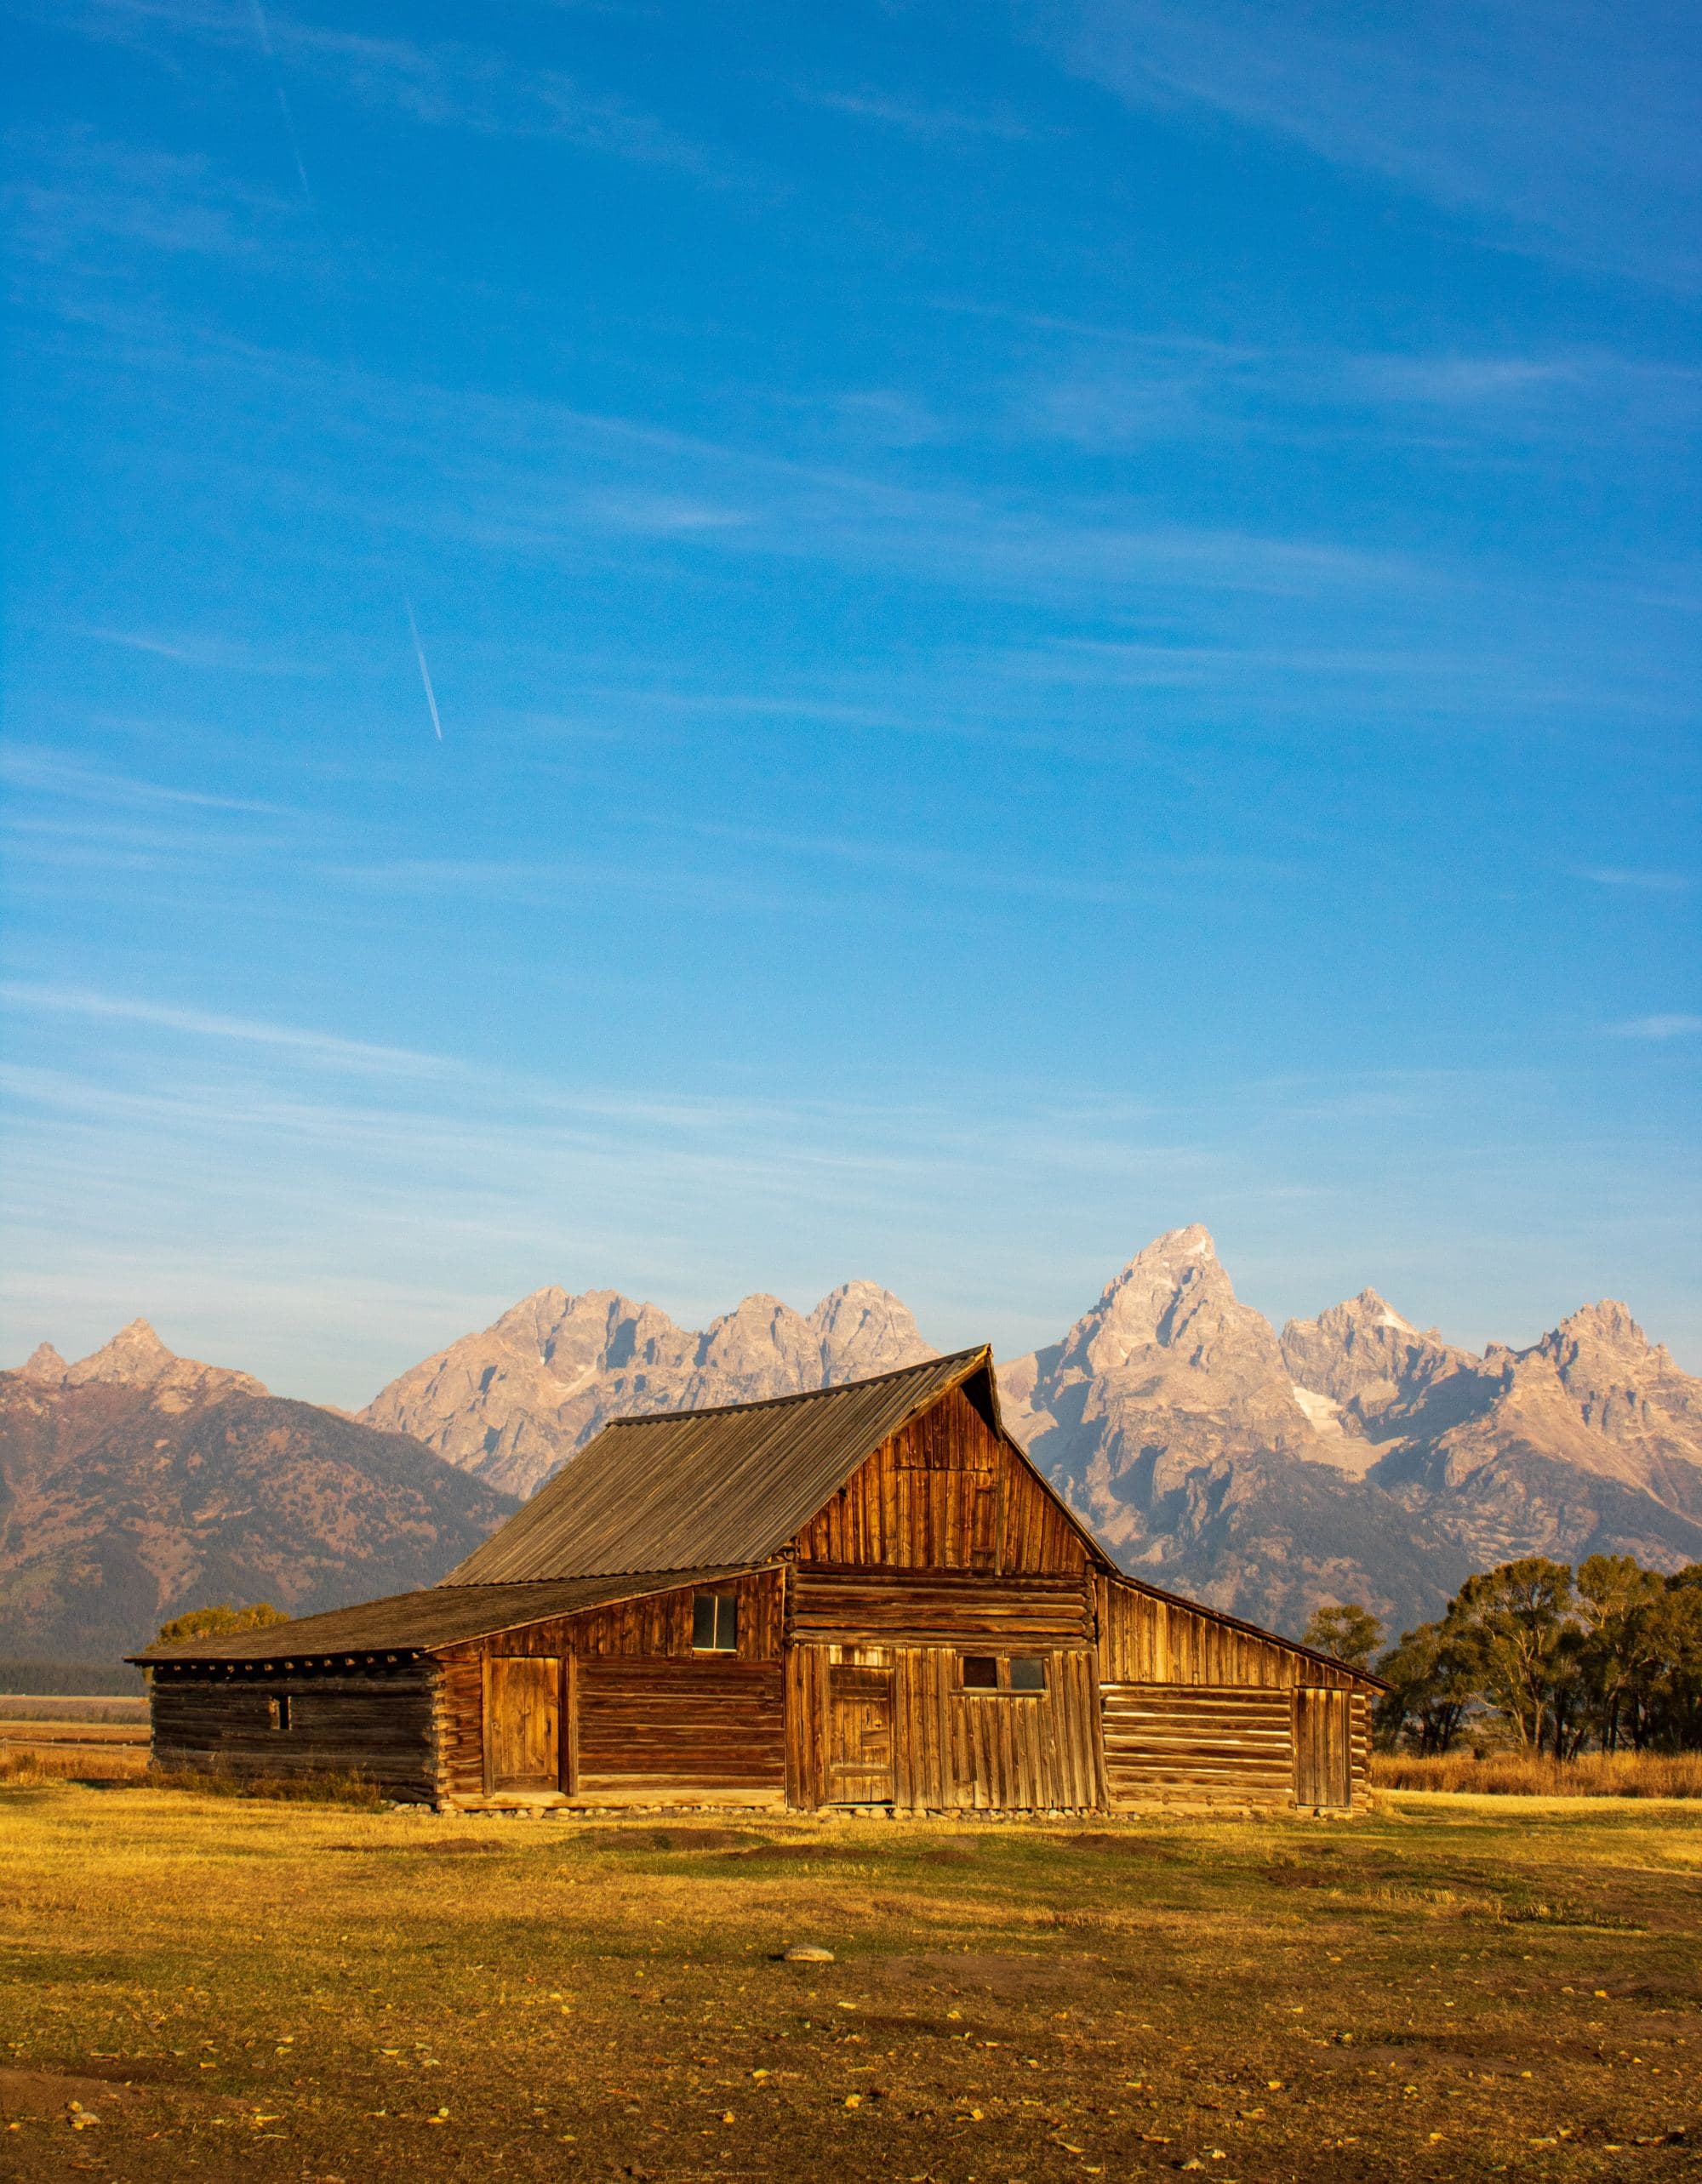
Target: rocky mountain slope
<point>1354,1457</point>
<point>136,1484</point>
<point>511,1404</point>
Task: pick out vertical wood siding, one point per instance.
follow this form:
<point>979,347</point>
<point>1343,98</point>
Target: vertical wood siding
<point>954,1750</point>
<point>1143,1641</point>
<point>945,1493</point>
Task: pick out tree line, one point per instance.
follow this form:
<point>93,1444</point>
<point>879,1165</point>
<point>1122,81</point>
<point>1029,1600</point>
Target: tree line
<point>1535,1654</point>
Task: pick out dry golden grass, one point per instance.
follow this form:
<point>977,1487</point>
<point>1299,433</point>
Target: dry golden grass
<point>32,1706</point>
<point>1514,1774</point>
<point>1438,1991</point>
<point>28,1763</point>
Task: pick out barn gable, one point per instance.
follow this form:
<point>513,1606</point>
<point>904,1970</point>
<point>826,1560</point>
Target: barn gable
<point>674,1489</point>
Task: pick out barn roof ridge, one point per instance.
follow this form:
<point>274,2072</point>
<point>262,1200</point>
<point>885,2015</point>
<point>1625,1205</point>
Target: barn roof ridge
<point>967,1359</point>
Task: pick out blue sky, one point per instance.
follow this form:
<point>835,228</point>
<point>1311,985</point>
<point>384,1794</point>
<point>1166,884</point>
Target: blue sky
<point>1047,620</point>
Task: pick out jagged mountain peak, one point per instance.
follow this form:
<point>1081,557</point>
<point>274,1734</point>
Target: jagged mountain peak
<point>862,1330</point>
<point>1173,1297</point>
<point>1607,1323</point>
<point>45,1363</point>
<point>134,1353</point>
<point>1363,1352</point>
<point>512,1403</point>
<point>1370,1305</point>
<point>137,1358</point>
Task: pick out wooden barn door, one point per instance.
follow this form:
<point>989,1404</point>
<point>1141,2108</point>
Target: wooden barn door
<point>1323,1752</point>
<point>522,1723</point>
<point>859,1735</point>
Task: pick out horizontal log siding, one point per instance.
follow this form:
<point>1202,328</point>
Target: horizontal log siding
<point>1197,1744</point>
<point>651,1632</point>
<point>1143,1641</point>
<point>381,1725</point>
<point>1362,1743</point>
<point>943,1493</point>
<point>667,1727</point>
<point>984,1615</point>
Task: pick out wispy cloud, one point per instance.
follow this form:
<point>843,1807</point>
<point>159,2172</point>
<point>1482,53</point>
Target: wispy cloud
<point>323,1050</point>
<point>217,654</point>
<point>1652,883</point>
<point>48,773</point>
<point>1567,130</point>
<point>919,119</point>
<point>440,83</point>
<point>1119,388</point>
<point>1676,1025</point>
<point>523,476</point>
<point>77,192</point>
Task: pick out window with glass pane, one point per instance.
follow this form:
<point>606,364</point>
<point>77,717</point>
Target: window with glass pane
<point>715,1622</point>
<point>1028,1674</point>
<point>980,1672</point>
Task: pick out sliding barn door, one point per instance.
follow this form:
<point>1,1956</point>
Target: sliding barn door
<point>1323,1747</point>
<point>522,1723</point>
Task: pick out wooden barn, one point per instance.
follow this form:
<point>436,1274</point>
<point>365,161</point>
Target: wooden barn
<point>865,1596</point>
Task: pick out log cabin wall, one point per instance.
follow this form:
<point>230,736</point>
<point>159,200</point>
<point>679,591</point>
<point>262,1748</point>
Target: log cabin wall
<point>646,1718</point>
<point>378,1724</point>
<point>1195,1744</point>
<point>946,1492</point>
<point>1197,1710</point>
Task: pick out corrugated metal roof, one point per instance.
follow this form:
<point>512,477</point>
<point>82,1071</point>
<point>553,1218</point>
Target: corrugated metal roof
<point>413,1623</point>
<point>680,1488</point>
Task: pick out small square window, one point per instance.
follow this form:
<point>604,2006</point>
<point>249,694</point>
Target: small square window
<point>715,1622</point>
<point>1028,1674</point>
<point>980,1672</point>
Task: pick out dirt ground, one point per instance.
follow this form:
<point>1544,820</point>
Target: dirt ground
<point>193,1986</point>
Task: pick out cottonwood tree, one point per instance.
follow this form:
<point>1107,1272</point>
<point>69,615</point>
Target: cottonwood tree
<point>1351,1633</point>
<point>221,1622</point>
<point>1435,1679</point>
<point>1520,1621</point>
<point>1619,1652</point>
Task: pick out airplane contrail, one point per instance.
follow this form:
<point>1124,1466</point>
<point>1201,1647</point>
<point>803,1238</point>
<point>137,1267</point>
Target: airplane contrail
<point>425,672</point>
<point>288,119</point>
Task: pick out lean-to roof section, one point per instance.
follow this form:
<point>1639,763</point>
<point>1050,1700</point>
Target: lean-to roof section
<point>681,1489</point>
<point>418,1623</point>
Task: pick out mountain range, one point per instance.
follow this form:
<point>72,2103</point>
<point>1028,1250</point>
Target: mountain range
<point>1353,1456</point>
<point>136,1484</point>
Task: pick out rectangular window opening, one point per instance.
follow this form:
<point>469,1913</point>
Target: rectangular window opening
<point>277,1711</point>
<point>715,1622</point>
<point>1028,1673</point>
<point>980,1672</point>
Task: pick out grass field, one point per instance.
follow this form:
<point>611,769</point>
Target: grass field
<point>1519,1774</point>
<point>1451,1988</point>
